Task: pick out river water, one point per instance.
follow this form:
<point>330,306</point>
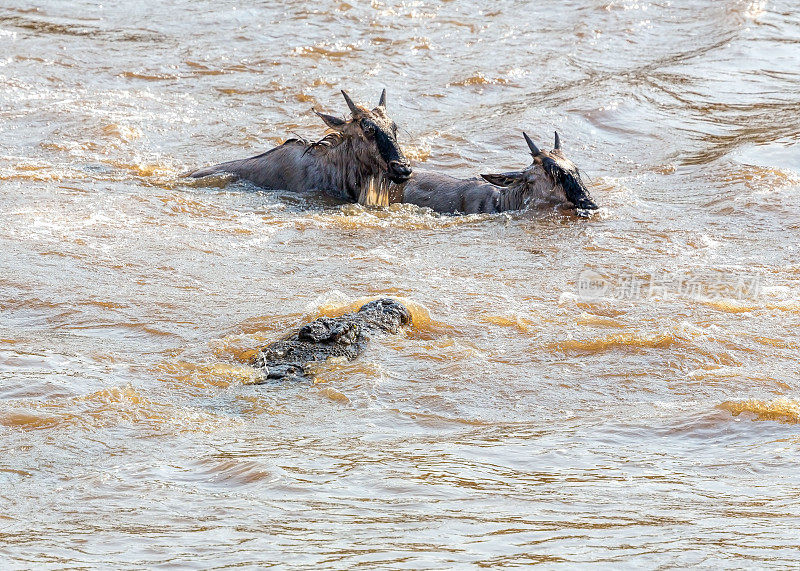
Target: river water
<point>622,389</point>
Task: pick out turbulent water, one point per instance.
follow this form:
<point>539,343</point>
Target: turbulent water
<point>621,389</point>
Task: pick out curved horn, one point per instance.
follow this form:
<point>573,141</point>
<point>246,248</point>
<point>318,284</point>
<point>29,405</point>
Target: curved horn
<point>534,149</point>
<point>353,107</point>
<point>382,102</point>
<point>558,142</point>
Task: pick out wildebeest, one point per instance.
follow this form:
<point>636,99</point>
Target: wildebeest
<point>551,179</point>
<point>345,336</point>
<point>355,163</point>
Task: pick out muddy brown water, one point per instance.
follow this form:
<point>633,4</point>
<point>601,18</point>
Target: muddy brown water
<point>622,389</point>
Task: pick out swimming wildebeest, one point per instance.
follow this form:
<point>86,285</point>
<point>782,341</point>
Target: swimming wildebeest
<point>325,337</point>
<point>551,179</point>
<point>356,162</point>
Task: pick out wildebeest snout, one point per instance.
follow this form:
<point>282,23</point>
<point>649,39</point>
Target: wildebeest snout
<point>585,203</point>
<point>399,171</point>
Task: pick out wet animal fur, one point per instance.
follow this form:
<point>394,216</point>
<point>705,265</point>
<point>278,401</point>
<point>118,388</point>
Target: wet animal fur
<point>550,179</point>
<point>355,163</point>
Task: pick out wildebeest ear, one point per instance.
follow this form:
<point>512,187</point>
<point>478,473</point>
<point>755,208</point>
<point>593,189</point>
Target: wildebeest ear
<point>330,120</point>
<point>503,178</point>
<point>382,102</point>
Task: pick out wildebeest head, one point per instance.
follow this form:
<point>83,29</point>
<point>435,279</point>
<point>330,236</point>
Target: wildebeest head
<point>551,176</point>
<point>375,137</point>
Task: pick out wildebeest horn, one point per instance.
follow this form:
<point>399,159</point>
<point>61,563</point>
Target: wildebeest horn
<point>534,149</point>
<point>558,142</point>
<point>353,107</point>
<point>382,102</point>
